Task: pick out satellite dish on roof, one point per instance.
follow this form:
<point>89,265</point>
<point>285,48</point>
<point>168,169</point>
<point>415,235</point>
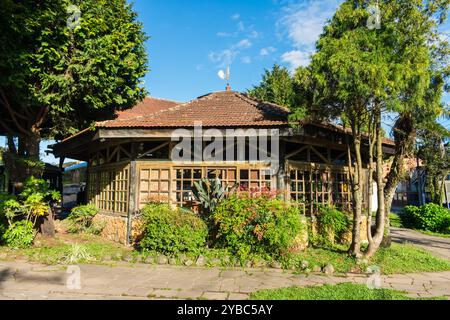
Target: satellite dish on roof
<point>225,75</point>
<point>221,74</point>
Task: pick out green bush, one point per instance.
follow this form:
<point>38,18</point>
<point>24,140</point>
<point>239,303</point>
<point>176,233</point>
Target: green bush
<point>172,231</point>
<point>32,204</point>
<point>430,217</point>
<point>20,234</point>
<point>331,225</point>
<point>81,220</point>
<point>257,226</point>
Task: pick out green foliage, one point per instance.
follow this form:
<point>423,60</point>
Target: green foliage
<point>172,231</point>
<point>19,215</point>
<point>408,259</point>
<point>62,79</point>
<point>210,192</point>
<point>20,234</point>
<point>395,221</point>
<point>258,225</point>
<point>31,204</point>
<point>430,217</point>
<point>343,291</point>
<point>434,150</point>
<point>276,86</point>
<point>20,167</point>
<point>77,254</point>
<point>85,248</point>
<point>81,220</point>
<point>358,74</point>
<point>331,225</point>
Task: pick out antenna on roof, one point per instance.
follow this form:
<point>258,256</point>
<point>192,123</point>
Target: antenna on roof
<point>225,75</point>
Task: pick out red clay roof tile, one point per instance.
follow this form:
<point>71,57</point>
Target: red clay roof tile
<point>219,109</point>
<point>148,105</point>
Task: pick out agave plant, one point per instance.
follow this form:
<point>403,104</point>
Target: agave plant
<point>210,192</point>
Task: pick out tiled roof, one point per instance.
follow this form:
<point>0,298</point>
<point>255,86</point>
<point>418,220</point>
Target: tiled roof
<point>148,105</point>
<point>219,109</point>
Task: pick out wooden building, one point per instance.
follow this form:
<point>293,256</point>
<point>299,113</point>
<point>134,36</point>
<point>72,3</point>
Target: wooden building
<point>130,158</point>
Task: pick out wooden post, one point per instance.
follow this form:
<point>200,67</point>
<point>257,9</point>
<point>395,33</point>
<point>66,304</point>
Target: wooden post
<point>132,191</point>
<point>281,175</point>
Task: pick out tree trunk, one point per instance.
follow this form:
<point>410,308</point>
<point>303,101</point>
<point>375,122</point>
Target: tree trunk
<point>33,144</point>
<point>48,225</point>
<point>355,248</point>
<point>372,142</point>
<point>405,137</point>
<point>381,214</point>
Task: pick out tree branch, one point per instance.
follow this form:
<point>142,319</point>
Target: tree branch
<point>12,113</point>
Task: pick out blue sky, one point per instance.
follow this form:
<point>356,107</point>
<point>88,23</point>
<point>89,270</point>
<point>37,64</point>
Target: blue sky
<point>190,41</point>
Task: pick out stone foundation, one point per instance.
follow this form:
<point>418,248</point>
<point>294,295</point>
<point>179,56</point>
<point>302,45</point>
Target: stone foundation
<point>115,228</point>
<point>137,230</point>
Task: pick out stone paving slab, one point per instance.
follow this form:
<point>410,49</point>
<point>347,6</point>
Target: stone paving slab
<point>33,281</point>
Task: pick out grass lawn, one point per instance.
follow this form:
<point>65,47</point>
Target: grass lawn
<point>395,220</point>
<point>430,233</point>
<point>398,258</point>
<point>401,258</point>
<point>94,249</point>
<point>345,291</point>
<point>61,249</point>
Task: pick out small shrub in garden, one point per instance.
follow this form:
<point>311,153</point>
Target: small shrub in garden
<point>75,254</point>
<point>430,217</point>
<point>27,209</point>
<point>172,231</point>
<point>257,225</point>
<point>331,225</point>
<point>81,220</point>
<point>19,235</point>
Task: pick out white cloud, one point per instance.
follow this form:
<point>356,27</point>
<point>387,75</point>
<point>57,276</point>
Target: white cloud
<point>253,34</point>
<point>227,56</point>
<point>240,26</point>
<point>243,44</point>
<point>305,21</point>
<point>223,58</point>
<point>246,60</point>
<point>235,16</point>
<point>223,34</point>
<point>295,59</point>
<point>267,51</point>
<point>304,24</point>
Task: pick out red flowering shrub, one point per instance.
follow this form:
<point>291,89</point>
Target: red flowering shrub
<point>260,225</point>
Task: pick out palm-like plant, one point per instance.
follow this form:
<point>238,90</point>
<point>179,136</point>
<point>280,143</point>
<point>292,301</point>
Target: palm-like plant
<point>210,192</point>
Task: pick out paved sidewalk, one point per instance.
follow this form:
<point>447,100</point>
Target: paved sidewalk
<point>19,280</point>
<point>438,245</point>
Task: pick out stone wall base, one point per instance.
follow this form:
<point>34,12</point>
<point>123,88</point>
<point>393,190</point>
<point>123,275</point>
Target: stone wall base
<point>115,228</point>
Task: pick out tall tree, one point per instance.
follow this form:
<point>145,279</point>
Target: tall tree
<point>415,27</point>
<point>358,74</point>
<point>63,67</point>
<point>351,75</point>
<point>276,86</point>
<point>434,150</point>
